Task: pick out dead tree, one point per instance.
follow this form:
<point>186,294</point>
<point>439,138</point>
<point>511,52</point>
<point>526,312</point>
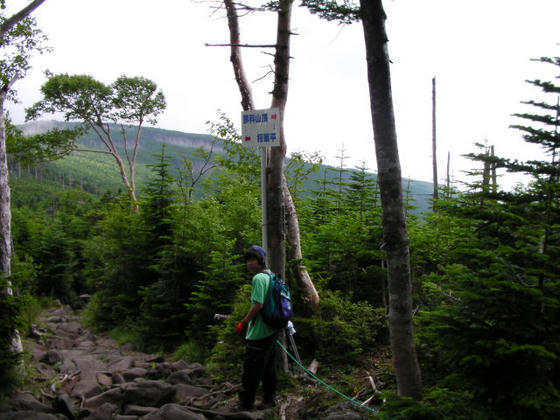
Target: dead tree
<point>285,211</point>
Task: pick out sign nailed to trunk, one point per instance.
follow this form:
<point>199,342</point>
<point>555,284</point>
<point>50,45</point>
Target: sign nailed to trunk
<point>260,127</point>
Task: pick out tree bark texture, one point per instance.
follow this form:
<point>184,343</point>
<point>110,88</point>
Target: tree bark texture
<point>395,233</point>
<point>5,211</point>
<point>287,211</point>
<point>235,57</point>
<point>434,142</point>
<point>5,195</point>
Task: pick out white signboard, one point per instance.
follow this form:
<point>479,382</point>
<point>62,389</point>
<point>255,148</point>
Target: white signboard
<point>260,127</point>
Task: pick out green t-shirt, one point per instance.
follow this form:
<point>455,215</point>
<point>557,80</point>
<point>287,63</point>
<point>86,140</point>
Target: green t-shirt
<point>258,329</point>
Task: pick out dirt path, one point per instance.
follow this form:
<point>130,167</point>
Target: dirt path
<point>83,375</point>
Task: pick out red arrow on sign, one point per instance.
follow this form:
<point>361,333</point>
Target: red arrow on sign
<point>247,138</point>
<point>273,116</point>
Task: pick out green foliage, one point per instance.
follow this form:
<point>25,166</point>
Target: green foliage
<point>343,330</point>
<point>437,404</point>
<point>17,46</point>
<point>345,11</point>
<point>227,352</point>
<point>49,145</point>
<point>11,309</point>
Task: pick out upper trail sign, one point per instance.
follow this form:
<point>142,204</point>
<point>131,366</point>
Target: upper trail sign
<point>260,127</point>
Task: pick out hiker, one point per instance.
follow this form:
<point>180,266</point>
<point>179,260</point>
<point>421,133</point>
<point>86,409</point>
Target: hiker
<point>260,361</point>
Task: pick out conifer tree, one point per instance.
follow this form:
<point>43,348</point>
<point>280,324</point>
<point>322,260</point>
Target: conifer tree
<point>495,333</point>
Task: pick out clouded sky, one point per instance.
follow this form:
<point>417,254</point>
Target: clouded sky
<point>478,50</point>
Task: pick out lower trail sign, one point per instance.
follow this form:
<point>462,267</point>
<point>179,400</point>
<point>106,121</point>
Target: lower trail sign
<point>260,127</point>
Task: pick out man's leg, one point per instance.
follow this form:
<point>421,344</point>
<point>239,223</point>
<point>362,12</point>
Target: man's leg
<point>270,376</point>
<point>257,352</point>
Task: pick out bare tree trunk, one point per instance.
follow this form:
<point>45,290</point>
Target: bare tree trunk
<point>395,232</point>
<point>5,196</point>
<point>448,182</point>
<point>6,219</point>
<point>434,143</point>
<point>289,213</point>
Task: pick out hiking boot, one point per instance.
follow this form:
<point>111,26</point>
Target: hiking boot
<point>266,404</point>
<point>242,407</point>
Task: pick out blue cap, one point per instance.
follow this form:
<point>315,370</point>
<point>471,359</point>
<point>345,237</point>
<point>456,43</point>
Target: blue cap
<point>258,252</point>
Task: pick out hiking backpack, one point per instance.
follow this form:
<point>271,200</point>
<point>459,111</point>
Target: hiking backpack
<point>277,310</point>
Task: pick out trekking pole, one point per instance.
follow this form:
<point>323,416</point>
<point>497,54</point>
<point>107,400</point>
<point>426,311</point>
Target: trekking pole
<point>291,332</point>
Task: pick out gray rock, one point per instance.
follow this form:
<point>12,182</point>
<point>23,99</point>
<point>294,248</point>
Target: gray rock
<point>55,319</point>
<point>104,380</point>
<point>124,417</point>
<point>174,412</point>
<point>184,391</point>
<point>113,396</point>
<point>64,405</point>
<point>103,412</point>
<point>120,363</point>
<point>68,367</point>
<point>180,377</point>
<point>160,371</point>
<point>29,415</point>
<point>179,365</point>
<point>118,379</point>
<point>138,410</point>
<point>51,357</point>
<point>131,374</point>
<point>87,385</point>
<point>25,401</point>
<point>148,393</point>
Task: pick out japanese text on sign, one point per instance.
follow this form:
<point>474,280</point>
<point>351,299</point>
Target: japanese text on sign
<point>261,128</point>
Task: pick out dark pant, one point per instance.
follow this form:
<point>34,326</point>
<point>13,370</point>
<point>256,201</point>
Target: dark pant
<point>259,364</point>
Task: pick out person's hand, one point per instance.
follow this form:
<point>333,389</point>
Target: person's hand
<point>240,329</point>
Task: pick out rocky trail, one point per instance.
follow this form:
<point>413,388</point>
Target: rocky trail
<point>82,375</point>
<point>88,376</point>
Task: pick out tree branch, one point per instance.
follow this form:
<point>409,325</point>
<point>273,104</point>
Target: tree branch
<point>92,151</point>
<point>242,45</point>
<point>22,14</point>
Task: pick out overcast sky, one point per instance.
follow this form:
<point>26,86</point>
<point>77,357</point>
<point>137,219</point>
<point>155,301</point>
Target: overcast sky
<point>478,50</point>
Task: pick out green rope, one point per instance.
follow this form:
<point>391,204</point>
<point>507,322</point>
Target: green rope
<point>324,383</point>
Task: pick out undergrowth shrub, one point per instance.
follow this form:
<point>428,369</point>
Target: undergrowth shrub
<point>341,330</point>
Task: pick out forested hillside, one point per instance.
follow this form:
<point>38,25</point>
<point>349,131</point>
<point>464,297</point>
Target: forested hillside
<point>97,173</point>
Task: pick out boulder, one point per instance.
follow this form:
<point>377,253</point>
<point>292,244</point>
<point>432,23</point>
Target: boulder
<point>28,415</point>
<point>180,377</point>
<point>179,365</point>
<point>185,392</point>
<point>131,374</point>
<point>148,393</point>
<point>138,410</point>
<point>26,401</point>
<point>64,405</point>
<point>160,371</point>
<point>120,363</point>
<point>173,412</point>
<point>104,380</point>
<point>103,412</point>
<point>113,396</point>
<point>51,357</point>
<point>118,379</point>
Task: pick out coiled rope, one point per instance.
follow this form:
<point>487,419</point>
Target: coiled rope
<point>359,404</point>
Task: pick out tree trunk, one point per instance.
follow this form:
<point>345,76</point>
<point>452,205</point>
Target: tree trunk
<point>280,95</point>
<point>434,143</point>
<point>6,218</point>
<point>395,233</point>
